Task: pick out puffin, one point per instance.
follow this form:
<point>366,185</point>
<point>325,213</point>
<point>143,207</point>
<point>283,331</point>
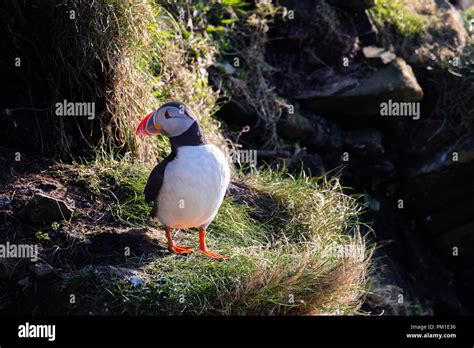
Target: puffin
<point>188,186</point>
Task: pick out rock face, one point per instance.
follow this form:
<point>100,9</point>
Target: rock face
<point>365,142</point>
<point>395,81</point>
<point>295,127</point>
<point>419,196</point>
<point>44,209</point>
<point>326,134</point>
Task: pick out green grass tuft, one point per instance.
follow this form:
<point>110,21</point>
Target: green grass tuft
<point>395,14</point>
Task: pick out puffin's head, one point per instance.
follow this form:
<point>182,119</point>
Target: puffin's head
<point>171,119</point>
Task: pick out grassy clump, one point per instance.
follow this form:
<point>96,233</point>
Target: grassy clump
<point>294,247</point>
<point>422,32</point>
<point>394,14</point>
<point>468,15</point>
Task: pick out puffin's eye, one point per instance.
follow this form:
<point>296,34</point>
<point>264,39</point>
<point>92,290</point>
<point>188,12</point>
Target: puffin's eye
<point>167,114</point>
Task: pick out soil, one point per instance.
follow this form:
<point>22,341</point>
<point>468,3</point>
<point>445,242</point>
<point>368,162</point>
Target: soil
<point>92,238</point>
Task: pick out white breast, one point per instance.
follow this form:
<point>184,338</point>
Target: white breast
<point>194,186</point>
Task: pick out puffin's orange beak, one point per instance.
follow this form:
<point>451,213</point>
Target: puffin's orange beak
<point>148,127</point>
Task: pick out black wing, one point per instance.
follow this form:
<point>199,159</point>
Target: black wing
<point>155,180</point>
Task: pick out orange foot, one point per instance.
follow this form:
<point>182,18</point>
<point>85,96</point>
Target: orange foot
<point>180,249</point>
<point>213,255</point>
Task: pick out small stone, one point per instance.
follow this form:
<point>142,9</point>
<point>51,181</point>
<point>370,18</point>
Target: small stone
<point>379,53</point>
<point>136,281</point>
<point>43,210</point>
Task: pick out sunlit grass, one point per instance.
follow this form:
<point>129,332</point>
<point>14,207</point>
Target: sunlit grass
<point>284,236</point>
<point>394,13</point>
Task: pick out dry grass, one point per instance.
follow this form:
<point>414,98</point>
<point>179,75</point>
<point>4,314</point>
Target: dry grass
<point>127,57</point>
<point>155,67</point>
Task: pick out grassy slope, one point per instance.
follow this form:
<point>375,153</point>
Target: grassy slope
<point>290,241</point>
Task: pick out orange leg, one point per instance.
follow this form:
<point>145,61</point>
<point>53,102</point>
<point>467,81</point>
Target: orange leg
<point>174,248</point>
<point>203,248</point>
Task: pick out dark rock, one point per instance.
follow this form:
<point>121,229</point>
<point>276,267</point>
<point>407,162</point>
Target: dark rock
<point>451,156</point>
<point>465,151</point>
<point>370,168</point>
<point>310,163</point>
<point>5,268</point>
<point>333,85</point>
<point>332,159</point>
<point>430,277</point>
<point>365,142</point>
<point>384,166</point>
<point>41,270</point>
<point>366,29</point>
<point>443,220</point>
<point>461,235</point>
<point>237,112</point>
<point>325,134</point>
<point>335,140</point>
<point>437,191</point>
<point>294,127</point>
<point>394,81</point>
<point>24,281</point>
<point>448,305</point>
<point>313,164</point>
<point>44,209</point>
<point>320,137</point>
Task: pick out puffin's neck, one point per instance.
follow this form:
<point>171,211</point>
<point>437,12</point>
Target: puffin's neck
<point>192,137</point>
